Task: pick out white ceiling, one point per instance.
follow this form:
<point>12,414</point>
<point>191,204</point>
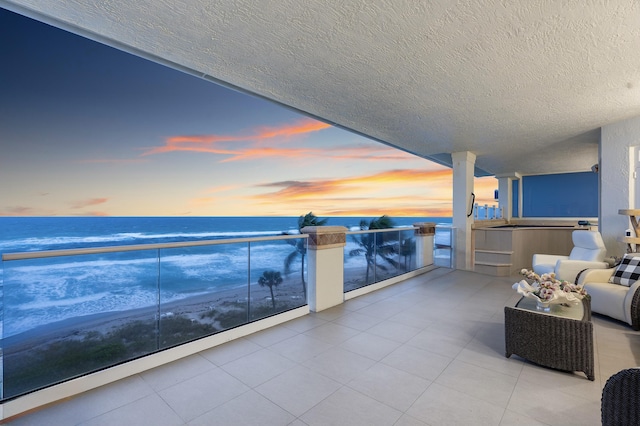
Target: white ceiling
<point>525,85</point>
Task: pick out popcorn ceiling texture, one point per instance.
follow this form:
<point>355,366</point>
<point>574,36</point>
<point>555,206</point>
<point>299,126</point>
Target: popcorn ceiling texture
<point>524,85</point>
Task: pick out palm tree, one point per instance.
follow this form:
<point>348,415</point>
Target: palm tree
<point>300,246</point>
<point>372,246</point>
<point>270,279</point>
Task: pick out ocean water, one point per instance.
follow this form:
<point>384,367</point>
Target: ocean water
<point>41,291</point>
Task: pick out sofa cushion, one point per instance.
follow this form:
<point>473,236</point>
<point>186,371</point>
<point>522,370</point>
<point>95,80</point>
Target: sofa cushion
<point>627,272</point>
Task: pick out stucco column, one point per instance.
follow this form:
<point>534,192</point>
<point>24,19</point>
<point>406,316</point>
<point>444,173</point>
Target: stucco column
<point>424,234</point>
<point>463,167</point>
<point>325,262</point>
<point>505,193</point>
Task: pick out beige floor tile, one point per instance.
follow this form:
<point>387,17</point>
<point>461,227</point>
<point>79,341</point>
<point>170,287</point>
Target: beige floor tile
<point>440,405</point>
<point>477,354</point>
<point>196,396</point>
<point>258,367</point>
<point>395,331</point>
<point>304,323</point>
<point>547,404</point>
<point>248,409</point>
<point>88,405</point>
<point>300,348</point>
<point>357,321</point>
<point>382,309</point>
<point>421,363</point>
<point>339,364</point>
<point>298,390</point>
<point>150,410</point>
<point>490,386</point>
<point>370,346</point>
<point>414,317</point>
<point>178,371</point>
<point>407,420</point>
<point>511,418</point>
<point>331,313</point>
<point>429,340</point>
<point>349,407</point>
<point>230,351</point>
<point>332,333</point>
<point>395,388</point>
<point>270,336</point>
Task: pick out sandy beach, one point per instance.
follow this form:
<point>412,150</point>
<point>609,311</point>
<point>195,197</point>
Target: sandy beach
<point>289,294</point>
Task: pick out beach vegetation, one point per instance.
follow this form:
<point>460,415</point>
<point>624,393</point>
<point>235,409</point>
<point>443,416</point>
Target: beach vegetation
<point>55,361</point>
<point>270,279</point>
<point>49,359</point>
<point>300,246</point>
<point>373,245</point>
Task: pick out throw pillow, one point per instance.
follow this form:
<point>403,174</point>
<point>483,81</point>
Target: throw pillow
<point>627,272</point>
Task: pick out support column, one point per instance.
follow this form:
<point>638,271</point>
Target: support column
<point>463,167</point>
<point>505,194</point>
<point>424,234</point>
<point>325,266</point>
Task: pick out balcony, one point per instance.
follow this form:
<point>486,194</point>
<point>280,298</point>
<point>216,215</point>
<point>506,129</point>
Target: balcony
<point>427,350</point>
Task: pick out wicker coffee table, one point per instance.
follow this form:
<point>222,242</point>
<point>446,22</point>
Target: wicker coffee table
<point>560,339</point>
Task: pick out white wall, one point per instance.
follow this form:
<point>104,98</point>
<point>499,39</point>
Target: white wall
<point>615,185</point>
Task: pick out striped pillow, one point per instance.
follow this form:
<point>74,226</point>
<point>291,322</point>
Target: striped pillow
<point>627,272</point>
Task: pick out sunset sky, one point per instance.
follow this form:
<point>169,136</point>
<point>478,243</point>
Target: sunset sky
<point>89,130</point>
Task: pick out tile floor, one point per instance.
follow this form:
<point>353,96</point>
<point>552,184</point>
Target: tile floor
<point>426,351</point>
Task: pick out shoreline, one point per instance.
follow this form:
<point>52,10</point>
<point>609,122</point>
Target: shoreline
<point>191,307</point>
<point>194,308</point>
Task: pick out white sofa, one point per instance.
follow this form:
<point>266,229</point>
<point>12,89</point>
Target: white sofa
<point>588,252</point>
<point>613,300</point>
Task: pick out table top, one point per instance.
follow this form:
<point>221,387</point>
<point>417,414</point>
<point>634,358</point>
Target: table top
<point>575,312</point>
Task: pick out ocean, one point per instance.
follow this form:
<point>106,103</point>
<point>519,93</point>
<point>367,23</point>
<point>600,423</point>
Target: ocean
<point>41,291</point>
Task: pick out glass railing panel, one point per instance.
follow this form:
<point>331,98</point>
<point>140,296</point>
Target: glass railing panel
<point>203,290</point>
<point>407,251</point>
<point>359,266</point>
<point>278,278</point>
<point>387,255</point>
<point>443,249</point>
<point>67,316</point>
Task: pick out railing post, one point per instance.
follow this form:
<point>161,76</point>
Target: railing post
<point>325,263</point>
<point>425,232</point>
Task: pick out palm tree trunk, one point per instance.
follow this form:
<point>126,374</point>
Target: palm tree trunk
<point>304,285</point>
<point>273,299</point>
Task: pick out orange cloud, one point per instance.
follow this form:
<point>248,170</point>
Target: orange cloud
<point>90,202</point>
<point>371,152</point>
<point>207,143</point>
<point>419,193</point>
<point>96,213</point>
<point>295,190</point>
<point>22,211</point>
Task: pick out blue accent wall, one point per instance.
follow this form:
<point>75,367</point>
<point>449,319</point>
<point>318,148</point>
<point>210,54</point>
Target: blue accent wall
<point>560,195</point>
<point>514,198</point>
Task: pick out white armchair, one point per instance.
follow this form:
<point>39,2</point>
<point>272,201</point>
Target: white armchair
<point>588,253</point>
<point>621,302</point>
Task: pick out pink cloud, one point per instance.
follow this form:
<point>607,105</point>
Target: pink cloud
<point>89,202</point>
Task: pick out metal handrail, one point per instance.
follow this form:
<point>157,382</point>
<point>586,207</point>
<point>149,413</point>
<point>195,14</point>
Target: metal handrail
<point>137,247</point>
<point>367,231</point>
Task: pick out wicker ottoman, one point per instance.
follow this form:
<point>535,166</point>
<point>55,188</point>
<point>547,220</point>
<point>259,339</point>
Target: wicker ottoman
<point>560,339</point>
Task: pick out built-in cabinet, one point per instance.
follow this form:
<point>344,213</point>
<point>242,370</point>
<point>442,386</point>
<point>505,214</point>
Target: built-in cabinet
<point>504,251</point>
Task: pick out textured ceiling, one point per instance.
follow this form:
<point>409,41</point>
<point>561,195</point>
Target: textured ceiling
<point>525,85</point>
